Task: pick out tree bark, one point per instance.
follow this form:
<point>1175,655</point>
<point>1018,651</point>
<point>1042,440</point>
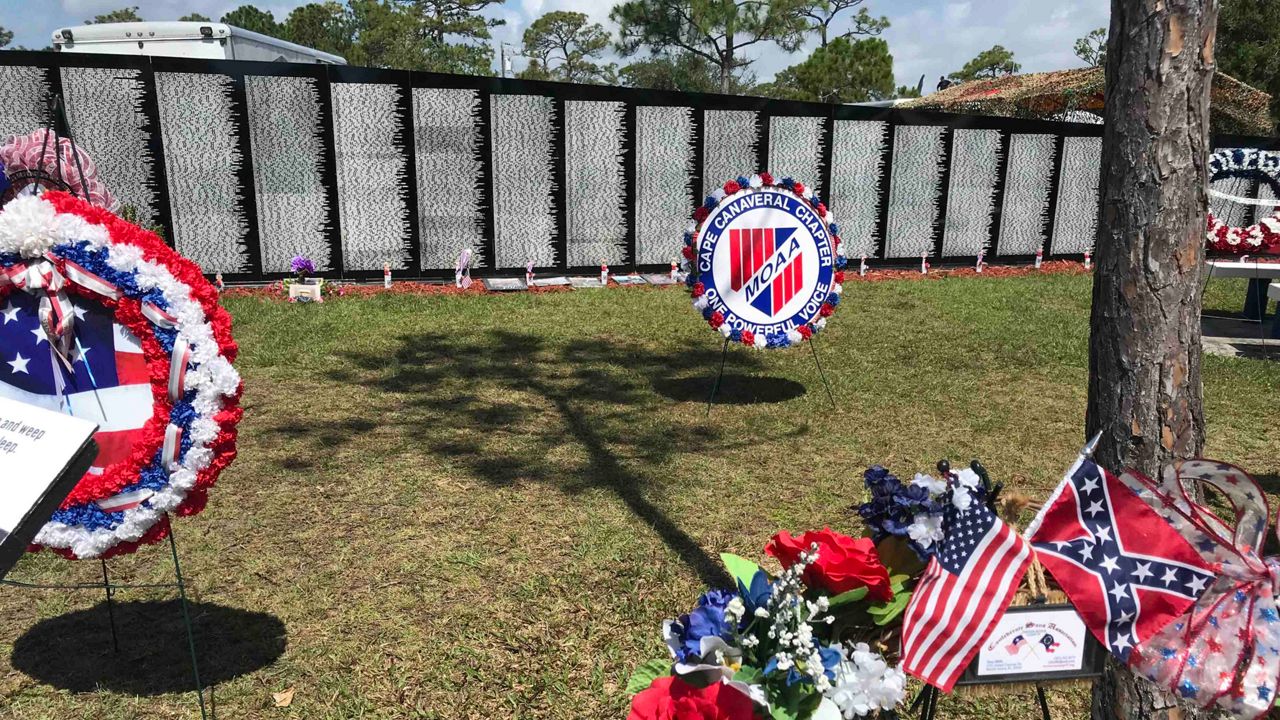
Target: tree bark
<point>1145,392</point>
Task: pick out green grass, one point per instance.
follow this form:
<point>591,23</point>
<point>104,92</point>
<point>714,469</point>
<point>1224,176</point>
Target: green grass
<point>484,507</point>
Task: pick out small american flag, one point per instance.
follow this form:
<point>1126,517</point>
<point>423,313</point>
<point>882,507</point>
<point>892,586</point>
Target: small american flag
<point>109,385</point>
<point>964,591</point>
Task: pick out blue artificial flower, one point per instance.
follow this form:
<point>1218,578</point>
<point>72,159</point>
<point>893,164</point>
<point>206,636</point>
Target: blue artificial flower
<point>833,300</point>
<point>735,334</point>
<point>911,496</point>
<point>710,203</point>
<point>788,183</point>
<point>835,229</point>
<point>743,182</point>
<point>706,620</point>
<point>841,261</point>
<point>688,238</point>
<point>758,594</point>
<point>831,657</point>
<point>707,312</point>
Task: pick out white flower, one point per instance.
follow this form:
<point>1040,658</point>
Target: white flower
<point>700,304</point>
<point>756,181</point>
<point>925,529</point>
<point>725,330</point>
<point>718,194</point>
<point>27,227</point>
<point>865,683</point>
<point>795,337</point>
<point>761,612</point>
<point>968,478</point>
<point>759,341</point>
<point>820,323</point>
<point>934,485</point>
<point>961,498</point>
<point>735,610</point>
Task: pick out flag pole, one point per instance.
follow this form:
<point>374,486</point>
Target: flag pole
<point>1086,453</point>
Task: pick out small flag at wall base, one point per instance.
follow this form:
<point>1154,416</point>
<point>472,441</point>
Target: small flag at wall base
<point>963,593</point>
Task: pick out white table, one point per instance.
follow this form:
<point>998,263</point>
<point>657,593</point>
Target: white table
<point>1259,274</point>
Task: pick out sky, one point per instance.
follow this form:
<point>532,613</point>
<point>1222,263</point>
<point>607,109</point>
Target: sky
<point>926,37</point>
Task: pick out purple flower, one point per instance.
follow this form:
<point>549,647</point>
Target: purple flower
<point>302,266</point>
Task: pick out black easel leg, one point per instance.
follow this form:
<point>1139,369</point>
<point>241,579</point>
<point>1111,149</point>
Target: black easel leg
<point>1044,702</point>
<point>813,345</point>
<point>719,376</point>
<point>111,607</point>
<point>186,619</point>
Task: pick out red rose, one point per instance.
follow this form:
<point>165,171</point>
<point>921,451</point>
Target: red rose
<point>699,289</point>
<point>766,178</point>
<point>826,310</point>
<point>805,331</point>
<point>821,208</point>
<point>748,337</point>
<point>839,276</point>
<point>800,188</point>
<point>688,252</point>
<point>701,213</point>
<point>732,187</point>
<point>843,562</point>
<point>837,241</point>
<point>670,698</point>
<point>717,319</point>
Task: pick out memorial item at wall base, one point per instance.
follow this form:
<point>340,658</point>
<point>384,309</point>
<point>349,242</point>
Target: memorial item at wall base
<point>43,454</point>
<point>104,321</point>
<point>1262,236</point>
<point>781,643</point>
<point>462,271</point>
<point>764,261</point>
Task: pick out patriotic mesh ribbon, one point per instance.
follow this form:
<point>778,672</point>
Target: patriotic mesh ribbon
<point>1226,649</point>
<point>152,367</point>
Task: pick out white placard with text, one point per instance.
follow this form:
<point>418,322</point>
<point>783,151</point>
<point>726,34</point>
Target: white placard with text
<point>1044,641</point>
<point>35,447</point>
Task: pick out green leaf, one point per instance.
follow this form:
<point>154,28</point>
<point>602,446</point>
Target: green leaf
<point>848,596</point>
<point>749,675</point>
<point>645,674</point>
<point>740,568</point>
<point>897,582</point>
<point>884,613</point>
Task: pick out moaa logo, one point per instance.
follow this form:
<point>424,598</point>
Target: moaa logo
<point>766,260</point>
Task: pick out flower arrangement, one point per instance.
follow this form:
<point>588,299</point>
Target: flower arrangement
<point>1262,236</point>
<point>912,511</point>
<point>698,288</point>
<point>302,267</point>
<point>781,646</point>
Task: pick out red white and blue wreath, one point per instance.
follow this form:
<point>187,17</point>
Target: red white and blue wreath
<point>1262,236</point>
<point>102,320</point>
<point>764,261</point>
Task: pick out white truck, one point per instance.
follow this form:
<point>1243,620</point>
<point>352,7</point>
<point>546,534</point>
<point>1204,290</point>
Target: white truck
<point>207,40</point>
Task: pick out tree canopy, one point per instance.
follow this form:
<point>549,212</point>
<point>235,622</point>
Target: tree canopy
<point>843,71</point>
<point>1248,46</point>
<point>564,46</point>
<point>681,71</point>
<point>716,30</point>
<point>128,14</point>
<point>1092,48</point>
<point>823,13</point>
<point>252,19</point>
<point>6,37</point>
<point>988,64</point>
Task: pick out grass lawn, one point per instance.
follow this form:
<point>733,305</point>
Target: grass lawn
<point>483,507</point>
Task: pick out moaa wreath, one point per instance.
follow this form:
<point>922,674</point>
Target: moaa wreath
<point>764,261</point>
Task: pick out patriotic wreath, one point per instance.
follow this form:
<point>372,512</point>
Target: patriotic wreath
<point>134,338</point>
<point>1262,236</point>
<point>823,306</point>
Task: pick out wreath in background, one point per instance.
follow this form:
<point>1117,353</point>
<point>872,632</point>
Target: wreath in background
<point>1262,236</point>
<point>69,266</point>
<point>697,289</point>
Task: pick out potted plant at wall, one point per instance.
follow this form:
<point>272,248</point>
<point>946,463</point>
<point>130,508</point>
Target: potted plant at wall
<point>303,286</point>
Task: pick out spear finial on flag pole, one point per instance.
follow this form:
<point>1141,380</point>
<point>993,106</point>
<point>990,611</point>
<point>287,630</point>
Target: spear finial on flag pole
<point>1089,447</point>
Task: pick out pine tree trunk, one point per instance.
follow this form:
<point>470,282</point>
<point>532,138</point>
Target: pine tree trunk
<point>1145,392</point>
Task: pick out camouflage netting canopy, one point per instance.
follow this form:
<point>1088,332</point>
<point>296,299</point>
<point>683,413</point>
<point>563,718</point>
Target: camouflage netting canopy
<point>1235,108</point>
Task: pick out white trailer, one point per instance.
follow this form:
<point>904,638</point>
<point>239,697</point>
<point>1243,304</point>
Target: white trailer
<point>210,41</point>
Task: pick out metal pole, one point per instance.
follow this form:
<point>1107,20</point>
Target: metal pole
<point>724,355</point>
<point>186,619</point>
<point>813,345</point>
<point>111,610</point>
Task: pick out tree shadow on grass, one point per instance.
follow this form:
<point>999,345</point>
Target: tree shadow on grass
<point>734,389</point>
<point>74,651</point>
<point>506,405</point>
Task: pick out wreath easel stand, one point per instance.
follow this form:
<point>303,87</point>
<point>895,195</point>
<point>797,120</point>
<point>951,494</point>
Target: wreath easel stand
<point>724,356</point>
<point>109,590</point>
